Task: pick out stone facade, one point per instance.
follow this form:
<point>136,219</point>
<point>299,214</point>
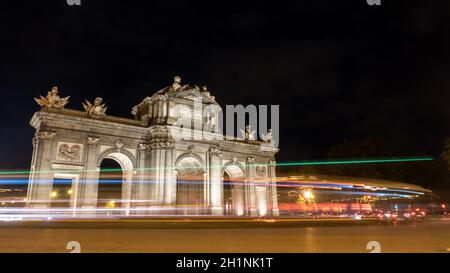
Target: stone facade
<point>155,160</point>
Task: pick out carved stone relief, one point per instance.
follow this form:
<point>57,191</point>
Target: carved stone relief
<point>69,151</point>
<point>261,171</point>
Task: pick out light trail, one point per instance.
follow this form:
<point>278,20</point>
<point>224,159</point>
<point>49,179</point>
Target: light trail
<point>356,161</point>
<point>350,188</point>
<point>281,164</point>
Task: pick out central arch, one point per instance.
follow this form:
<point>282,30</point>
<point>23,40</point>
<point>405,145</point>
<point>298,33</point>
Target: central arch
<point>125,161</point>
<point>190,185</point>
<point>110,184</point>
<point>233,189</point>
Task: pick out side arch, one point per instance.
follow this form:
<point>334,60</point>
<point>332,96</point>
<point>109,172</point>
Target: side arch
<point>234,170</point>
<point>190,184</point>
<point>127,162</point>
<point>233,180</point>
<point>187,155</point>
<point>118,154</point>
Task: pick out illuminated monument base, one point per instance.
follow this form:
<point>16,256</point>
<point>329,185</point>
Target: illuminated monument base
<point>163,172</point>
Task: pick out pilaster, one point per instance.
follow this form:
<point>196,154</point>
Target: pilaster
<point>41,177</point>
<point>89,183</point>
<point>273,188</point>
<point>250,192</point>
<point>216,183</point>
<point>143,184</point>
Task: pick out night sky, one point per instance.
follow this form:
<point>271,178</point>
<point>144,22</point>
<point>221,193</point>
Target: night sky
<point>338,69</point>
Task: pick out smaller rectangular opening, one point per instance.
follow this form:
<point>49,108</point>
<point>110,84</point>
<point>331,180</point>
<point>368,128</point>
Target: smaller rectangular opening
<point>61,194</point>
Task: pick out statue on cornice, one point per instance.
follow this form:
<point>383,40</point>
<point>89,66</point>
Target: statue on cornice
<point>95,109</point>
<point>248,133</point>
<point>207,93</point>
<point>268,138</point>
<point>176,85</point>
<point>52,100</point>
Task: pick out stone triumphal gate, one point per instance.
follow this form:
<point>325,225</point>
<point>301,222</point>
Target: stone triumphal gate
<point>198,171</point>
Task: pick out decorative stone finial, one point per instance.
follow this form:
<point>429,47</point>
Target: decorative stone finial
<point>96,109</point>
<point>52,100</point>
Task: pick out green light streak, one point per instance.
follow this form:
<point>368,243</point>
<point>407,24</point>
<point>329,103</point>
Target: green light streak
<point>356,161</point>
<point>281,164</point>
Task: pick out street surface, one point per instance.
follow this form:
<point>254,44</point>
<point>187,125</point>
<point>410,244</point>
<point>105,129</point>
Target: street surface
<point>224,236</point>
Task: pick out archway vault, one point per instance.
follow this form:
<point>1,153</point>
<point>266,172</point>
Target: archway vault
<point>233,189</point>
<point>189,166</point>
<point>234,170</point>
<point>190,185</point>
<point>125,159</point>
<point>189,159</point>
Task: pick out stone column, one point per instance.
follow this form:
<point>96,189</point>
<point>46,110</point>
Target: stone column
<point>238,200</point>
<point>142,186</point>
<point>216,183</point>
<point>205,189</point>
<point>158,172</point>
<point>152,177</point>
<point>89,183</point>
<point>161,174</point>
<point>170,186</point>
<point>250,189</point>
<point>273,195</point>
<point>41,178</point>
<point>32,169</point>
<point>205,205</point>
<point>127,186</point>
<point>261,198</point>
<point>162,190</point>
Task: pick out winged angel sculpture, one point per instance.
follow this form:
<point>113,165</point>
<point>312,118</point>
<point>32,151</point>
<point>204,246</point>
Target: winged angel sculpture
<point>96,109</point>
<point>268,138</point>
<point>52,100</point>
<point>248,133</point>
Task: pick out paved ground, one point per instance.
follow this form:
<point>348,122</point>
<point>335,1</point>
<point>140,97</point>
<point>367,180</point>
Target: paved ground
<point>148,236</point>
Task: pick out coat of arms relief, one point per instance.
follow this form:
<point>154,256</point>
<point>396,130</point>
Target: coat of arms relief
<point>69,151</point>
<point>261,171</point>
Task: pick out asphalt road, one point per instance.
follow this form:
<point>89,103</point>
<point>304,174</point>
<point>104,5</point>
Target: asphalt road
<point>224,236</point>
